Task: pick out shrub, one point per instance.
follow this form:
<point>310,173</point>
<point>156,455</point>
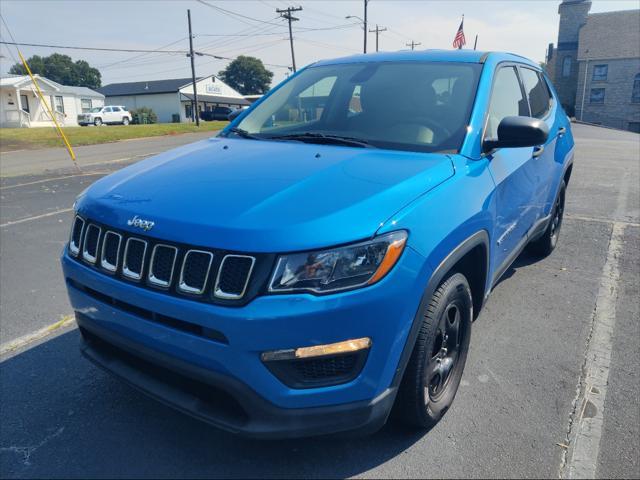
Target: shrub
<point>144,115</point>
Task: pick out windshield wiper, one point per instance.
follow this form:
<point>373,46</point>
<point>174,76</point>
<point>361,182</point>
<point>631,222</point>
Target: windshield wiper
<point>243,133</point>
<point>315,137</point>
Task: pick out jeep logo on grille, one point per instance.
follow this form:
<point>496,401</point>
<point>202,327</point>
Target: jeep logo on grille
<point>138,222</point>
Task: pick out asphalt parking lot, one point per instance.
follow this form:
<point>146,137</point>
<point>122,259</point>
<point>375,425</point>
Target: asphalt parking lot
<point>518,412</point>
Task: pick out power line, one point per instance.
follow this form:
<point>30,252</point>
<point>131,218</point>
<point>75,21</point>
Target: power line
<point>413,44</point>
<point>236,14</point>
<point>100,49</point>
<point>140,55</point>
<point>10,36</point>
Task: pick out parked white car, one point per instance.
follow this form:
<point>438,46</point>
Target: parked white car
<point>108,114</point>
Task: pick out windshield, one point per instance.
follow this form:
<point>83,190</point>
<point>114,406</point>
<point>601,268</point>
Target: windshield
<point>96,109</point>
<point>394,105</point>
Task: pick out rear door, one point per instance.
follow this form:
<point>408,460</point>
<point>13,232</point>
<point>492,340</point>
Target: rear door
<point>514,171</point>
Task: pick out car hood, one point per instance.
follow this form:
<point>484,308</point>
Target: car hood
<point>264,196</point>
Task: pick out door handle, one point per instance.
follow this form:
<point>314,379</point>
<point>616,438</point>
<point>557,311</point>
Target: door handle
<point>561,132</point>
<point>537,151</point>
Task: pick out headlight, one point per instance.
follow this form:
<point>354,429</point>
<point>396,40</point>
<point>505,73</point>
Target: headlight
<point>341,268</point>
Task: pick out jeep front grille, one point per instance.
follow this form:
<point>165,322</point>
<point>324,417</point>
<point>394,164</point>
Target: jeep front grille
<point>233,276</point>
<point>195,271</point>
<point>91,240</point>
<point>199,273</point>
<point>110,251</point>
<point>163,261</point>
<point>76,236</point>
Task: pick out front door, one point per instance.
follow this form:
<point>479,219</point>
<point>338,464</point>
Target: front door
<point>514,172</point>
<point>24,101</point>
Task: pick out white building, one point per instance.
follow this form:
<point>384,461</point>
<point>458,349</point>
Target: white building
<point>171,100</point>
<point>20,105</point>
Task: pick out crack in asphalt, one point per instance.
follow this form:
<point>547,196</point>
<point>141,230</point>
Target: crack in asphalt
<point>26,452</point>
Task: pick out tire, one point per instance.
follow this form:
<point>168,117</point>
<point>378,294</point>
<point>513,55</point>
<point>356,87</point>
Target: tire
<point>98,122</point>
<point>433,374</point>
<point>546,244</point>
<point>125,120</point>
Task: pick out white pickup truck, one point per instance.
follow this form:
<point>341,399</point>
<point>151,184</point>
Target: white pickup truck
<point>105,115</point>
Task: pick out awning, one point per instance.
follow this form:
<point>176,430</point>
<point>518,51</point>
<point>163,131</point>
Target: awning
<point>217,99</point>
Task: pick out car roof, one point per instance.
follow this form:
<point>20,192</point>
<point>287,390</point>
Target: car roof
<point>460,56</point>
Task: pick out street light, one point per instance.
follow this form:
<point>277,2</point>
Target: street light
<point>365,29</point>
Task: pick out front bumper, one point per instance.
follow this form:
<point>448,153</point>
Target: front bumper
<point>196,374</point>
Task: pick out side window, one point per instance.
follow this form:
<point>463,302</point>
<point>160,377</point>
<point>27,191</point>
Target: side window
<point>536,89</point>
<point>566,66</point>
<point>506,100</point>
<point>106,110</point>
<point>116,109</point>
<point>355,106</point>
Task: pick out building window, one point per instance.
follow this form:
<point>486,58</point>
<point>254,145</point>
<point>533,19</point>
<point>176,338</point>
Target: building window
<point>597,95</point>
<point>600,73</point>
<point>58,104</point>
<point>566,66</point>
<point>634,127</point>
<point>635,95</point>
<point>85,104</point>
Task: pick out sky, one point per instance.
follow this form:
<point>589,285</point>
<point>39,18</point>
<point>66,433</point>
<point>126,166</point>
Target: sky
<point>525,27</point>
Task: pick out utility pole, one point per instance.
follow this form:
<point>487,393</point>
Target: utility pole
<point>378,30</point>
<point>413,44</point>
<point>366,2</point>
<point>286,13</point>
<point>194,102</point>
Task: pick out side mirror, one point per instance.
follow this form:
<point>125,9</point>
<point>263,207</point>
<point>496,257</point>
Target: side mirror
<point>233,115</point>
<point>516,132</point>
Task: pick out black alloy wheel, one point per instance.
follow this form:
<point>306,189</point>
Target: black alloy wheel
<point>434,371</point>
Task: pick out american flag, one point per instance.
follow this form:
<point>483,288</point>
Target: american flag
<point>460,41</point>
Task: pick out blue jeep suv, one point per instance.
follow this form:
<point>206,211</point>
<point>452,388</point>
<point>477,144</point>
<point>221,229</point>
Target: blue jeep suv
<point>319,263</point>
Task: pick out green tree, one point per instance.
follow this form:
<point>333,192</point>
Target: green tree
<point>61,69</point>
<point>247,75</point>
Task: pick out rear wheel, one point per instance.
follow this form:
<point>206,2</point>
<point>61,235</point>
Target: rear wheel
<point>97,122</point>
<point>544,245</point>
<point>435,368</point>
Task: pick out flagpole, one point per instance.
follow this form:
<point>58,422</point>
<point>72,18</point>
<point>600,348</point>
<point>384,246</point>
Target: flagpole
<point>475,44</point>
<point>462,23</point>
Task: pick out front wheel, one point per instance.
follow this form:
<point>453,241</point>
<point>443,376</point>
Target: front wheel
<point>97,122</point>
<point>125,120</point>
<point>435,368</point>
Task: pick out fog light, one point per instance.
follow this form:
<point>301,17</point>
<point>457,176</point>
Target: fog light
<point>318,350</point>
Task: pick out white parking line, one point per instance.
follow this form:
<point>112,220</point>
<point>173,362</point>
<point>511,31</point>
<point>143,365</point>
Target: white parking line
<point>35,182</point>
<point>586,429</point>
<point>36,217</point>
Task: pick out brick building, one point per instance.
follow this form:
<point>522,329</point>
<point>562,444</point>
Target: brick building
<point>596,65</point>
